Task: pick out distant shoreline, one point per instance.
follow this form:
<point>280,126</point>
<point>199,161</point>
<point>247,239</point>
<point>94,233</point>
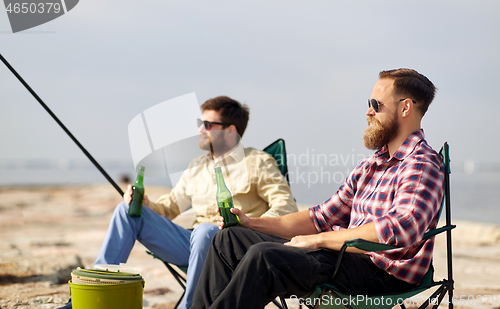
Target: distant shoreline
<point>161,189</point>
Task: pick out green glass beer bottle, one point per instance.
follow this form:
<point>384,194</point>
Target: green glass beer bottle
<point>224,200</point>
<point>135,207</point>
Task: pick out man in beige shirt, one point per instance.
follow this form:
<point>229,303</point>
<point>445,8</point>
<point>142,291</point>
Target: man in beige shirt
<point>252,176</point>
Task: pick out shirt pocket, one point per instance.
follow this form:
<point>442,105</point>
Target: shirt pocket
<point>196,188</point>
<point>201,194</point>
<point>241,188</point>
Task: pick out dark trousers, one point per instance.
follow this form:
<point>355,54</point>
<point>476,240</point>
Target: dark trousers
<point>248,269</point>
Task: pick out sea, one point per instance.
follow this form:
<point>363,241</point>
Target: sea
<point>475,188</point>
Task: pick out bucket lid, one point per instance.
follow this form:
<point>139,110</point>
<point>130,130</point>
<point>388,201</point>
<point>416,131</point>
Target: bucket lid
<point>106,275</point>
<point>118,268</point>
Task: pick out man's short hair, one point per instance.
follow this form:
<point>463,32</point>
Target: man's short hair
<point>231,111</point>
<point>416,86</point>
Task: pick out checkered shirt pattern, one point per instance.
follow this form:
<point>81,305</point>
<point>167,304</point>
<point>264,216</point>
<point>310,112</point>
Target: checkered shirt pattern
<point>401,195</point>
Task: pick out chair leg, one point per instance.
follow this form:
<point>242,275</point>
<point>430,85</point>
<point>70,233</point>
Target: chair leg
<point>441,296</point>
<point>275,302</point>
<point>431,298</point>
<point>450,295</point>
<point>180,299</point>
<point>283,303</point>
<point>178,277</point>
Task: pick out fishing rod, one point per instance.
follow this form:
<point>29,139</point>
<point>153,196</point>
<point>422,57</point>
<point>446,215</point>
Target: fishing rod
<point>89,156</point>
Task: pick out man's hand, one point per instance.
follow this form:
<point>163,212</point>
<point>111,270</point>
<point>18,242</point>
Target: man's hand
<point>127,196</point>
<point>305,241</point>
<point>243,219</point>
<point>335,239</point>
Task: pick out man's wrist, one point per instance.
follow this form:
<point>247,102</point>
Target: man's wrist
<point>319,240</point>
<point>250,223</point>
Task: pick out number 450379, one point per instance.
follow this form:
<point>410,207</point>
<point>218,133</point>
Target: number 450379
<point>33,8</point>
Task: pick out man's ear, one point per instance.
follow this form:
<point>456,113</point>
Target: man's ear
<point>407,107</point>
<point>233,128</point>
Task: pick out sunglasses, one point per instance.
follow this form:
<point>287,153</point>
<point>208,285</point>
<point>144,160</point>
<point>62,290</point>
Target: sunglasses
<point>375,104</point>
<point>208,124</point>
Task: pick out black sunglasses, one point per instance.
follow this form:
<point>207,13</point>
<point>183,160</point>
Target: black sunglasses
<point>208,124</point>
<point>375,104</point>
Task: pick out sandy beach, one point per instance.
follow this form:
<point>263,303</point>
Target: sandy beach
<point>46,232</point>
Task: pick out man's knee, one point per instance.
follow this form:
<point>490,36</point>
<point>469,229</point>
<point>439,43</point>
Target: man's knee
<point>205,228</point>
<point>265,256</point>
<point>202,235</point>
<point>225,235</point>
<point>121,209</point>
<point>264,250</point>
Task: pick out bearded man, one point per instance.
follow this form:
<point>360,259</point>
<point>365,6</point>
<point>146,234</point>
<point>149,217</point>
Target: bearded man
<point>392,197</point>
<point>256,183</point>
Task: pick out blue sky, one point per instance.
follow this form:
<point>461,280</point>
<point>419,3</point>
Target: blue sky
<point>305,68</point>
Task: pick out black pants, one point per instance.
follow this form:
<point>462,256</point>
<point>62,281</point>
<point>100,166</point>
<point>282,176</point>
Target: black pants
<point>248,269</point>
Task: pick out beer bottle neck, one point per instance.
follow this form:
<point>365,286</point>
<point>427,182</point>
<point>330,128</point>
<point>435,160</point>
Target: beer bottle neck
<point>140,176</point>
<point>221,185</point>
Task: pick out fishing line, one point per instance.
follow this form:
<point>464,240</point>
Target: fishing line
<point>89,156</point>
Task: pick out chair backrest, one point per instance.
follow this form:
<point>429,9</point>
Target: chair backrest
<point>445,203</point>
<point>278,151</point>
<point>445,153</point>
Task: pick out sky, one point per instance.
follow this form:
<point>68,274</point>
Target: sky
<point>305,69</point>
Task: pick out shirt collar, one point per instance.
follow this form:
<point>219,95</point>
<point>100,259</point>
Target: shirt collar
<point>235,155</point>
<point>406,148</point>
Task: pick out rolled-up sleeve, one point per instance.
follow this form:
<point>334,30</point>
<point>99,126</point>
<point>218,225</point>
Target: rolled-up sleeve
<point>273,188</point>
<point>334,214</point>
<point>170,205</point>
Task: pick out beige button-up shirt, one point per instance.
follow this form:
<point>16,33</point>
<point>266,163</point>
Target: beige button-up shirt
<point>252,176</point>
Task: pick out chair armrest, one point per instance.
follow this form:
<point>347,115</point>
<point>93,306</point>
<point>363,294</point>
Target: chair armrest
<point>374,246</point>
<point>153,255</point>
<point>368,245</point>
<point>360,244</point>
<point>434,232</point>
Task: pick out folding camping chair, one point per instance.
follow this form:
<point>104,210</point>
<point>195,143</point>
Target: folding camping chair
<point>326,293</point>
<point>278,151</point>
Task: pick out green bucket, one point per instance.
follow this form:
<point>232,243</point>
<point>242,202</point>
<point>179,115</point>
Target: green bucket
<point>103,290</point>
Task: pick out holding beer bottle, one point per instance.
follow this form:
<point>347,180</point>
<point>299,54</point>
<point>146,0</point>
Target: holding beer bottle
<point>224,200</point>
<point>135,207</point>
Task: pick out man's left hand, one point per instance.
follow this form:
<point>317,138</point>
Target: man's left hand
<point>304,241</point>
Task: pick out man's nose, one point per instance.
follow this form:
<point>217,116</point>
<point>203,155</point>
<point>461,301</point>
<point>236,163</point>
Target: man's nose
<point>370,111</point>
<point>202,129</point>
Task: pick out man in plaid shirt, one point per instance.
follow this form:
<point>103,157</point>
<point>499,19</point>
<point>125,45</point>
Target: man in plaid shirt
<point>392,197</point>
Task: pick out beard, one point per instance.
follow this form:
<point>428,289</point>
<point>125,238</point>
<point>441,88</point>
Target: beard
<point>219,142</point>
<point>378,135</point>
<point>204,143</point>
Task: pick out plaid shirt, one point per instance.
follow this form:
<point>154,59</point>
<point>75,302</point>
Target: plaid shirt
<point>401,195</point>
